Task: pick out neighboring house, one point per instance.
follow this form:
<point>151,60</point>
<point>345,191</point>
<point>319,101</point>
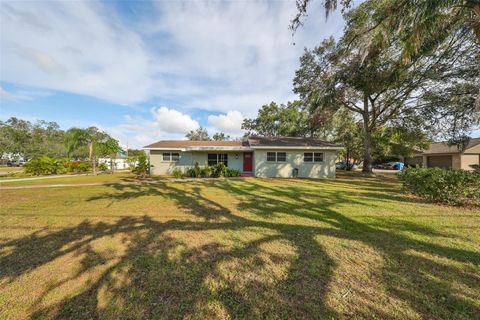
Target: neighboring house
<point>442,155</point>
<point>118,163</point>
<point>257,156</point>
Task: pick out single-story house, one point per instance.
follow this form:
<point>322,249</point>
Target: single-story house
<point>256,156</point>
<point>443,155</point>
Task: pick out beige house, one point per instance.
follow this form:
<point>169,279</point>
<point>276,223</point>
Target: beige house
<point>442,155</point>
<point>258,156</point>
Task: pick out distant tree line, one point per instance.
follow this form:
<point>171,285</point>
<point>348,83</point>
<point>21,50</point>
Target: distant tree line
<point>21,138</point>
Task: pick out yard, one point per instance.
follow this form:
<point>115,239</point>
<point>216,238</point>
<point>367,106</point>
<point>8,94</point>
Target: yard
<point>349,247</point>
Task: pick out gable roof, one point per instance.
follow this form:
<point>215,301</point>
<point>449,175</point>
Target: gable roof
<point>251,143</point>
<point>444,147</point>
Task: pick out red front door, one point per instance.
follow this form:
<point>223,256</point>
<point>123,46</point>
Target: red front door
<point>247,161</point>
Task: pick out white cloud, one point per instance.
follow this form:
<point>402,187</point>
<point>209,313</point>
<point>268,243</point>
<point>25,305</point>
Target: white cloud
<point>41,59</point>
<point>23,94</point>
<point>221,55</point>
<point>173,121</point>
<point>74,49</point>
<point>230,123</point>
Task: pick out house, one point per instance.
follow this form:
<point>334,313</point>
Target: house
<point>443,155</point>
<point>257,156</point>
<point>119,163</point>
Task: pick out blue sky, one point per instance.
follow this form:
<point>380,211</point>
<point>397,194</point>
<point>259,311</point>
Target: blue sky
<point>145,71</point>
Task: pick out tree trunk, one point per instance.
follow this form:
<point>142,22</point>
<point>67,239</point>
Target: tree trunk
<point>93,159</point>
<point>367,138</point>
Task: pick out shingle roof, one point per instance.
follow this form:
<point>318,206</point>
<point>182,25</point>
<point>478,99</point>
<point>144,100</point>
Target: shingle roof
<point>443,147</point>
<point>252,142</point>
<point>289,142</point>
<point>191,143</point>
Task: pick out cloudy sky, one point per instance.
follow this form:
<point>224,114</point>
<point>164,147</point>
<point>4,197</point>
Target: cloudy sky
<point>145,71</point>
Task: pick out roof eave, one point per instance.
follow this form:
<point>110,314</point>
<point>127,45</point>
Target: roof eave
<point>299,147</point>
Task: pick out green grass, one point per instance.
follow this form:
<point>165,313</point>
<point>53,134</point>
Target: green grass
<point>68,179</point>
<point>252,248</point>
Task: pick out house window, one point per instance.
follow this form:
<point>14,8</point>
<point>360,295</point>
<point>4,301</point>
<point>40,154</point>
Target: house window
<point>281,156</point>
<point>313,157</point>
<point>276,156</point>
<point>216,158</point>
<point>318,157</point>
<point>308,157</point>
<point>171,156</point>
<point>271,156</point>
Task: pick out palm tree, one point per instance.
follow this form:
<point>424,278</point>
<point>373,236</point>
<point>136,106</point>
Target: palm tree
<point>97,142</point>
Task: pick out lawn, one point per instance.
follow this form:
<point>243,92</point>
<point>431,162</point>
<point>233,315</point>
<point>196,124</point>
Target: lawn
<point>65,179</point>
<point>349,247</point>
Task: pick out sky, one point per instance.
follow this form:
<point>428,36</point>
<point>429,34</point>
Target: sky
<point>145,71</point>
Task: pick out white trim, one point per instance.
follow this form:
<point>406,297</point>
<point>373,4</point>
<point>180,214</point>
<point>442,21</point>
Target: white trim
<point>167,149</point>
<point>220,148</point>
<point>203,149</point>
<point>298,148</point>
<point>245,148</point>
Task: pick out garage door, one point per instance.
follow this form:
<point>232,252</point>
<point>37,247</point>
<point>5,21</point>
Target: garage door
<point>439,161</point>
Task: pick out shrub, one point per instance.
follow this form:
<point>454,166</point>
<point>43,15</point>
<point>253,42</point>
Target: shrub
<point>78,166</point>
<point>205,172</point>
<point>84,166</point>
<point>218,170</point>
<point>475,167</point>
<point>44,166</point>
<point>191,173</point>
<point>454,187</point>
<point>142,167</point>
<point>231,172</point>
<point>197,170</point>
<point>177,173</point>
<point>102,167</point>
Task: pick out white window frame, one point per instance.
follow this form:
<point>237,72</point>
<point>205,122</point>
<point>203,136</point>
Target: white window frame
<point>218,159</point>
<point>170,159</point>
<point>276,156</point>
<point>313,157</point>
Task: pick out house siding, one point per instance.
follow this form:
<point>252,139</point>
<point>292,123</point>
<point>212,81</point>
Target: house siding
<point>202,159</point>
<point>264,168</point>
<point>160,167</point>
<point>188,159</point>
<point>469,159</point>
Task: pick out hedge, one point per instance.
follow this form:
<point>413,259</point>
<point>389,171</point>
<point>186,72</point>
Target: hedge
<point>455,187</point>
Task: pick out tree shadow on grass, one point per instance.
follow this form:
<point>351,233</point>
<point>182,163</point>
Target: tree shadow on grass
<point>281,272</point>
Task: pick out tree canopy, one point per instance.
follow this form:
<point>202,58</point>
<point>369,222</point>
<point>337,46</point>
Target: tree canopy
<point>21,138</point>
<point>385,90</point>
<point>198,134</point>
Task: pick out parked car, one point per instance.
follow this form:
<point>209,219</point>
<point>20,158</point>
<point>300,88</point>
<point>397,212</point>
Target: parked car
<point>15,163</point>
<point>391,166</point>
<point>341,165</point>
